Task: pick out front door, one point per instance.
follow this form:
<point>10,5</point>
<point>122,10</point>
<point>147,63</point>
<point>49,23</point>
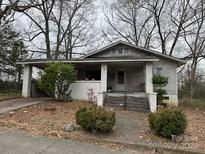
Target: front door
<point>120,80</point>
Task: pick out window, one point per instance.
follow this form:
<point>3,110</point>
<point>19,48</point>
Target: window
<point>93,74</point>
<point>120,77</point>
<point>126,51</point>
<point>158,71</point>
<point>120,51</point>
<point>89,75</point>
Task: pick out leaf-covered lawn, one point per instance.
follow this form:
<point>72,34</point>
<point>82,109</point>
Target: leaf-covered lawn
<point>130,126</point>
<point>9,95</point>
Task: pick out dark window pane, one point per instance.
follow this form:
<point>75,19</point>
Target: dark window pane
<point>93,74</point>
<point>120,75</point>
<point>120,51</point>
<point>89,75</point>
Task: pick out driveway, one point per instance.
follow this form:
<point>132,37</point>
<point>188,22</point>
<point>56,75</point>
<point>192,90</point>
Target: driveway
<point>14,142</point>
<point>15,104</point>
<point>130,127</point>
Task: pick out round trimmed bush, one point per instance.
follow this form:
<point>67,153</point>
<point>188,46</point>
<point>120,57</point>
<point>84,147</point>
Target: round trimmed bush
<point>95,119</point>
<point>168,122</point>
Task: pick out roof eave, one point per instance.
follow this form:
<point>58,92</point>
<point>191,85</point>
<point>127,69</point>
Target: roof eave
<point>87,61</point>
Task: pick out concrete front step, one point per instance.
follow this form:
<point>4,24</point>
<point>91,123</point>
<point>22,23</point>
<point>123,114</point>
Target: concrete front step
<point>129,105</point>
<point>130,108</point>
<point>128,99</point>
<point>139,103</point>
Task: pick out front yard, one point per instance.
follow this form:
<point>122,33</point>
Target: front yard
<point>130,127</point>
<point>9,95</point>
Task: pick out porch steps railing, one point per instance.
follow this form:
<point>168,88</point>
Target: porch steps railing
<point>127,102</point>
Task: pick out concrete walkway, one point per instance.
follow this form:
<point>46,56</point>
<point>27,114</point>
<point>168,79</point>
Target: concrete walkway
<point>15,104</point>
<point>14,142</point>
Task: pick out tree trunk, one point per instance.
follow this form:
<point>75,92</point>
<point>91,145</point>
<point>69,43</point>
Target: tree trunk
<point>47,39</point>
<point>192,81</point>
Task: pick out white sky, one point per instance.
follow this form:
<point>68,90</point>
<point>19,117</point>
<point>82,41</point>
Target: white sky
<point>21,23</point>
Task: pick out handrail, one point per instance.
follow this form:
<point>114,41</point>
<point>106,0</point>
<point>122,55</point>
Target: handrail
<point>125,100</point>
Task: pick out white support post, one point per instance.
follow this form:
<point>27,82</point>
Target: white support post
<point>103,78</point>
<point>27,76</point>
<point>148,78</point>
<point>152,101</point>
<point>152,97</point>
<point>103,87</point>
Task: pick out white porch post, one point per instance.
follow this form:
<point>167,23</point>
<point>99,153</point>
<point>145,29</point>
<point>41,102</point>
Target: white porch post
<point>148,78</point>
<point>103,77</point>
<point>103,87</point>
<point>27,76</point>
<point>149,87</point>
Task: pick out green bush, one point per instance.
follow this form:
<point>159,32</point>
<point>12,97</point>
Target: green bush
<point>159,80</point>
<point>159,83</point>
<point>10,86</point>
<point>160,95</point>
<point>168,122</point>
<point>95,119</point>
<point>56,80</point>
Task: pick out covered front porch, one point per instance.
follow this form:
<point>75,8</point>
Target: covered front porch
<point>97,79</point>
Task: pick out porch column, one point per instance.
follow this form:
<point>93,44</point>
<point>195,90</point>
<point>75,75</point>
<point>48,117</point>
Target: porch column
<point>148,78</point>
<point>103,86</point>
<point>152,97</point>
<point>27,76</point>
<point>103,77</point>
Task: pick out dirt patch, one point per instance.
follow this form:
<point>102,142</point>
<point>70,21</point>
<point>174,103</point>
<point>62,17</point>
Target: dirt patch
<point>50,119</point>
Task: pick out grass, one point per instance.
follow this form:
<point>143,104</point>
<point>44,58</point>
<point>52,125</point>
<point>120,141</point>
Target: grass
<point>9,95</point>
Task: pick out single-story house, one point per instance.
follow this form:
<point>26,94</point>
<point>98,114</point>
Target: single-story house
<point>119,74</point>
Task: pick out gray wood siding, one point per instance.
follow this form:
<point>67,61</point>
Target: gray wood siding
<point>135,79</point>
<point>130,52</point>
<point>169,70</point>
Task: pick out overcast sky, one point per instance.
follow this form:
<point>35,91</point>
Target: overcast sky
<point>22,22</point>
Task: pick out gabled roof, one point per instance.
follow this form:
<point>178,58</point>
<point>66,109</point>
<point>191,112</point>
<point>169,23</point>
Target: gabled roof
<point>179,61</point>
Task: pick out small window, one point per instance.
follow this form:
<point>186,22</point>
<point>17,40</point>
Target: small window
<point>120,51</point>
<point>126,51</point>
<point>159,71</point>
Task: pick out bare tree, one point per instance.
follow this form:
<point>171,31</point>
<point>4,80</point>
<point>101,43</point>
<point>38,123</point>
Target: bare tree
<point>194,37</point>
<point>63,24</point>
<point>40,15</point>
<point>74,22</point>
<point>171,18</point>
<point>9,7</point>
<point>126,22</point>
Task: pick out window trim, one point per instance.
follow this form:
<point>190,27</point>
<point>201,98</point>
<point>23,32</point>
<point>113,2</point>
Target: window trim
<point>123,52</point>
<point>159,67</point>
